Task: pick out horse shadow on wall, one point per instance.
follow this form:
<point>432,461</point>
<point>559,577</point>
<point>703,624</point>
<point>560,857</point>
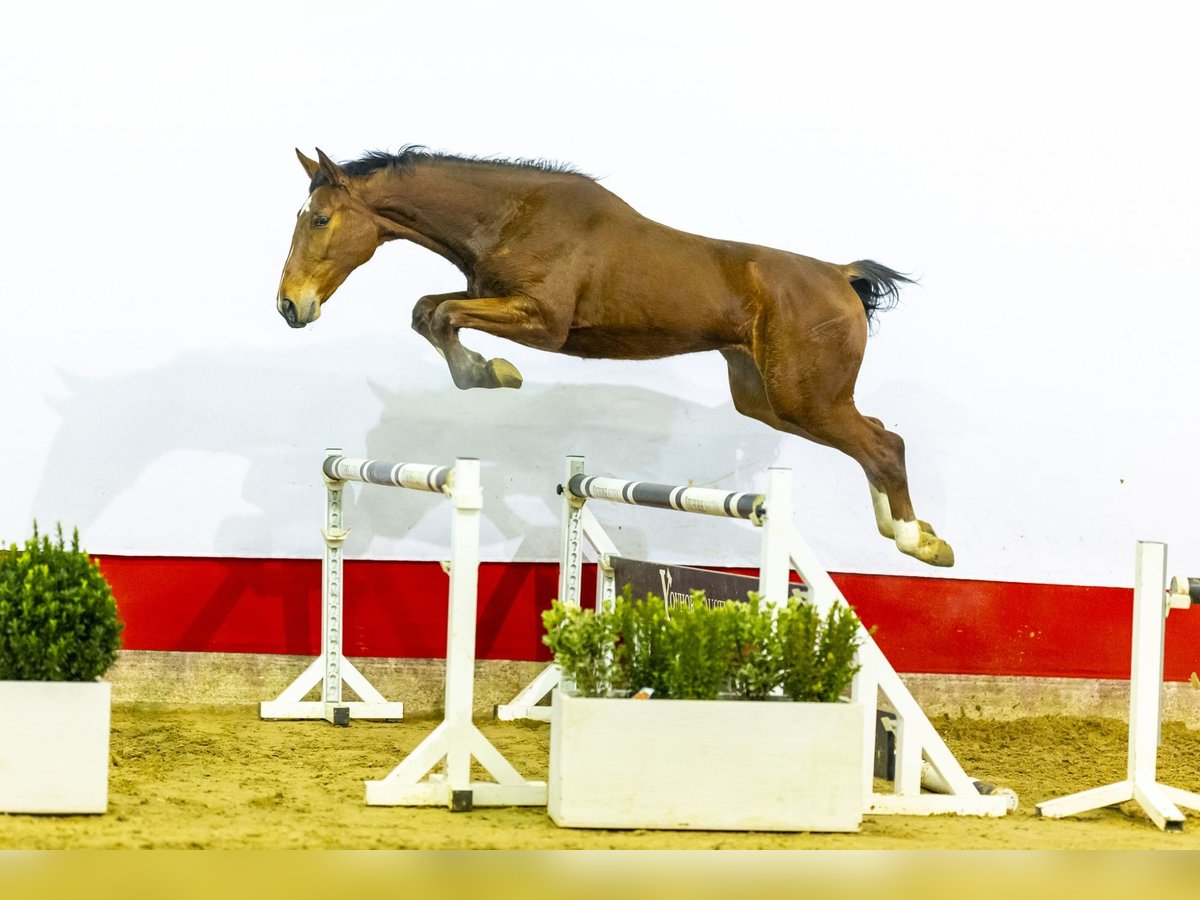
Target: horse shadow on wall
<point>176,460</point>
<point>522,439</point>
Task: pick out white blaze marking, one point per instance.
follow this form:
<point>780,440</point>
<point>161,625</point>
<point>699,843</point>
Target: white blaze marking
<point>305,208</point>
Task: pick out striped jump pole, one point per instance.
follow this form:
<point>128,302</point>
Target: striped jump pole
<point>682,498</point>
<point>415,476</point>
<point>579,487</point>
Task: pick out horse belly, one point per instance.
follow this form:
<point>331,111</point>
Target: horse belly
<point>643,343</point>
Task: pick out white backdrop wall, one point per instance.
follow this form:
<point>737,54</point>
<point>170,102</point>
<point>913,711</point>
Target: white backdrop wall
<point>1033,164</point>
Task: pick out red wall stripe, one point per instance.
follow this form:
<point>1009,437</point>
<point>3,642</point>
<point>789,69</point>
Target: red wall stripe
<point>398,609</point>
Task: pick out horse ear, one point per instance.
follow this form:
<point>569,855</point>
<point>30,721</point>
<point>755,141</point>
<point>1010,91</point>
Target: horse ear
<point>333,171</point>
<point>310,165</point>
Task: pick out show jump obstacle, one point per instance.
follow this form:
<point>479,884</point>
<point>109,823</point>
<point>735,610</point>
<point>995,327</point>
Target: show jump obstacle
<point>1152,602</point>
<point>456,740</point>
<point>917,742</point>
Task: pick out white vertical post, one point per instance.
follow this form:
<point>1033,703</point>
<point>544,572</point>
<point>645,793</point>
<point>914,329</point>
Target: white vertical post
<point>331,670</point>
<point>527,703</point>
<point>467,496</point>
<point>1161,802</point>
<point>457,740</point>
<point>908,759</point>
<point>1145,676</point>
<point>864,690</point>
<point>331,594</point>
<point>777,528</point>
<point>571,547</point>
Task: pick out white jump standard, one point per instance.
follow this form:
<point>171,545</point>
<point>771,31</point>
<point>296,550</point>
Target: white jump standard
<point>456,740</point>
<point>331,668</point>
<point>783,549</point>
<point>1152,602</point>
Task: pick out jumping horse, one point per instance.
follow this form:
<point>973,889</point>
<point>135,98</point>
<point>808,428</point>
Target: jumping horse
<point>554,261</point>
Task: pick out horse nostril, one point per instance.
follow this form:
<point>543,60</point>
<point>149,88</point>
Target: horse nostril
<point>287,309</point>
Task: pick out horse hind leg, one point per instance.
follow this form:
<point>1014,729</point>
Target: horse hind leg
<point>750,396</point>
<point>750,399</point>
<point>822,409</point>
<point>883,506</point>
<point>881,454</point>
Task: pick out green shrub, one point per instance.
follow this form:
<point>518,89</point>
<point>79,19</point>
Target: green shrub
<point>700,648</point>
<point>642,631</point>
<point>584,645</point>
<point>818,655</point>
<point>58,621</point>
<point>698,651</point>
<point>757,665</point>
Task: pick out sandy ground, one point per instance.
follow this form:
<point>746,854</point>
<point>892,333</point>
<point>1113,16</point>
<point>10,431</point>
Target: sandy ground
<point>218,777</point>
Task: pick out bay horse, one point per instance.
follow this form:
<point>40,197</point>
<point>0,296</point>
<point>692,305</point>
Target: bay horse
<point>555,261</point>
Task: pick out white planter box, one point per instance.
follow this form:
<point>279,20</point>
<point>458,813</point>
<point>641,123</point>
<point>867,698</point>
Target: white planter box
<point>711,765</point>
<point>54,746</point>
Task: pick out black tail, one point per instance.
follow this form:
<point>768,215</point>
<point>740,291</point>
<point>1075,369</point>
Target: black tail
<point>877,286</point>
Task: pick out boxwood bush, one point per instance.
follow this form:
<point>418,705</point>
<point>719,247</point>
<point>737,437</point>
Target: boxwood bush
<point>701,651</point>
<point>585,644</point>
<point>58,620</point>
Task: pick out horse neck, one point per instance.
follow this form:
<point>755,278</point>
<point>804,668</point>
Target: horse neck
<point>454,210</point>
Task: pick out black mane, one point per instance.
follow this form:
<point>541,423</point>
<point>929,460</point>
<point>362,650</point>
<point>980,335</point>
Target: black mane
<point>412,154</point>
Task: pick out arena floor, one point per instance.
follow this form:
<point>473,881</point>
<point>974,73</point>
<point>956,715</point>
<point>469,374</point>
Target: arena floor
<point>218,777</point>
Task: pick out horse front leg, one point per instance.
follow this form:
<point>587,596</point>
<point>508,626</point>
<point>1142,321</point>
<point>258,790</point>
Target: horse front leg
<point>467,368</point>
<point>423,312</point>
<point>516,318</point>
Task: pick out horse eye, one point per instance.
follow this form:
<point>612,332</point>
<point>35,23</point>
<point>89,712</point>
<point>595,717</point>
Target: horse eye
<point>320,221</point>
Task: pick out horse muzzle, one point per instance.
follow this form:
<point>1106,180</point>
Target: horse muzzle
<point>295,316</point>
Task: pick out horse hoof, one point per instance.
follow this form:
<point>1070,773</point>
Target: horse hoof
<point>932,550</point>
<point>504,373</point>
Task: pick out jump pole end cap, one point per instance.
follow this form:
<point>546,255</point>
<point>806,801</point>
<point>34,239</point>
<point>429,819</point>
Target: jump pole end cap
<point>1184,592</point>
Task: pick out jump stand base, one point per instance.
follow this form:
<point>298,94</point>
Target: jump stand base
<point>509,712</point>
<point>994,806</point>
<point>436,792</point>
<point>412,783</point>
<point>525,706</point>
<point>336,713</point>
<point>1160,802</point>
<point>290,705</point>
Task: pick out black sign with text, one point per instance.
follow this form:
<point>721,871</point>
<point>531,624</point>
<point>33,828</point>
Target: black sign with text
<point>676,583</point>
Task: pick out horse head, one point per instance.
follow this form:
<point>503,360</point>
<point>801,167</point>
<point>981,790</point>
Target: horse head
<point>335,233</point>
